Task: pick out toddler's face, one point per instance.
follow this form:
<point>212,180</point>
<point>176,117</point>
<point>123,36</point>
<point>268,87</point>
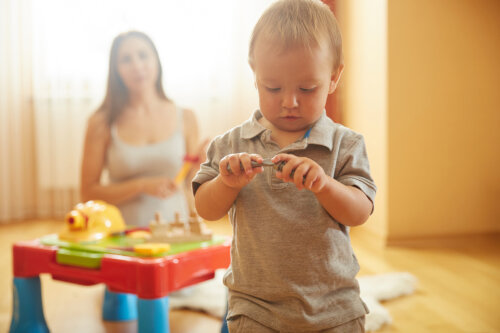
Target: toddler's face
<point>293,85</point>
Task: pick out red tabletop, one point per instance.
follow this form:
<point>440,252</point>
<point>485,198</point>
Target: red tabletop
<point>147,278</point>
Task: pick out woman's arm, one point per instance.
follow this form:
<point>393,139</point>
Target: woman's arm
<point>191,134</point>
<point>193,148</point>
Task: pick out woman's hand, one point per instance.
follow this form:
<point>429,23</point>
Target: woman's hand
<point>306,173</point>
<point>236,169</point>
<point>161,187</point>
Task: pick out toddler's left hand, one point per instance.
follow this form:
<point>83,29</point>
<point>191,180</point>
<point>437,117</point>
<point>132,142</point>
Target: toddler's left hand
<point>307,173</point>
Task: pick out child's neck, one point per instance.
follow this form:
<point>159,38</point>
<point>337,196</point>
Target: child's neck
<point>281,137</point>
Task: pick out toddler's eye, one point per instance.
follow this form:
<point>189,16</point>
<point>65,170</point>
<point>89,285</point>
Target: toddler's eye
<point>307,89</point>
<point>273,89</point>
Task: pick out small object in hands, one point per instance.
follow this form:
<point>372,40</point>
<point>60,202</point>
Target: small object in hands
<point>267,163</point>
<point>189,160</point>
<point>281,164</point>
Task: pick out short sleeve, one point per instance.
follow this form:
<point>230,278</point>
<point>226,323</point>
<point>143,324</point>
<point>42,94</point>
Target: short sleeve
<point>210,168</point>
<point>353,168</point>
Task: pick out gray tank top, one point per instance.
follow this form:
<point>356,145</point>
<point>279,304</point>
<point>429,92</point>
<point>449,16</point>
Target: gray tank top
<point>164,158</point>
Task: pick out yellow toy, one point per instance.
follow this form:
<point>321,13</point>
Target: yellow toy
<point>149,249</point>
<point>91,221</point>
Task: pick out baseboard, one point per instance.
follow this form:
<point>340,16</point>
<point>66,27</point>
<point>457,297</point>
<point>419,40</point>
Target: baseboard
<point>444,240</point>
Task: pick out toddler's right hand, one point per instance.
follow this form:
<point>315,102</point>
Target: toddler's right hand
<point>161,187</point>
<point>232,174</point>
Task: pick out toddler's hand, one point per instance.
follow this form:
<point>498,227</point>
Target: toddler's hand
<point>306,173</point>
<point>236,169</point>
<point>161,187</point>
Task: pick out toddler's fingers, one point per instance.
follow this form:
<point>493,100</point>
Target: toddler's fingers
<point>246,163</point>
<point>300,175</point>
<point>223,167</point>
<point>234,164</point>
<point>289,167</point>
<point>317,184</point>
<point>256,157</point>
<point>282,157</point>
<point>310,179</point>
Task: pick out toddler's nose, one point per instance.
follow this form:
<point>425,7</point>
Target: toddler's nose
<point>289,100</point>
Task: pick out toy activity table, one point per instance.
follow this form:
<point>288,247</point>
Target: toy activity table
<point>124,272</point>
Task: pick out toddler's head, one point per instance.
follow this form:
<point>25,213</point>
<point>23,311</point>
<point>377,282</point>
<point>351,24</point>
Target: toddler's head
<point>296,55</point>
<point>298,23</point>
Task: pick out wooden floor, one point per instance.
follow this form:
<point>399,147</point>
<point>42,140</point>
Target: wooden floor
<point>459,287</point>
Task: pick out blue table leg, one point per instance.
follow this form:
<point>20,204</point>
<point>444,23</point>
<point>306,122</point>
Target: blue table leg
<point>27,312</point>
<point>224,328</point>
<point>153,315</point>
<point>119,306</point>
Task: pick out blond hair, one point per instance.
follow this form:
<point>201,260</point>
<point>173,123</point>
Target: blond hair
<point>304,23</point>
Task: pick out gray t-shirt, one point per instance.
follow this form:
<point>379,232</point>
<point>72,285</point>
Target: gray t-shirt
<point>292,265</point>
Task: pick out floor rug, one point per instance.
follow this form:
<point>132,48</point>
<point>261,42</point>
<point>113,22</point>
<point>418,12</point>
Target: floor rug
<point>210,296</point>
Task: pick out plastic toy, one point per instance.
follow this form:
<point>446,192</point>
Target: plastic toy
<point>178,231</point>
<point>151,279</point>
<point>91,221</point>
<point>149,249</point>
<point>96,247</point>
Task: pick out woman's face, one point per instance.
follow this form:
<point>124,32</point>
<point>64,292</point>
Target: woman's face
<point>137,65</point>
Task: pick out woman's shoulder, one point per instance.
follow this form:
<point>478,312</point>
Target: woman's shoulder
<point>97,123</point>
<point>189,116</point>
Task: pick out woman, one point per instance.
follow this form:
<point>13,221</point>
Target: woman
<point>139,136</point>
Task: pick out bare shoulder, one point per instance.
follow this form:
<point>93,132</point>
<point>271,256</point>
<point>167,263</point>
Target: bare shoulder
<point>190,123</point>
<point>97,125</point>
<point>189,117</point>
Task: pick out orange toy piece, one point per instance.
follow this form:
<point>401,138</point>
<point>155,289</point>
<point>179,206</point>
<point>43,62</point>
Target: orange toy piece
<point>91,221</point>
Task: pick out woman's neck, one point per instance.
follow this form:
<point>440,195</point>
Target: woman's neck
<point>144,101</point>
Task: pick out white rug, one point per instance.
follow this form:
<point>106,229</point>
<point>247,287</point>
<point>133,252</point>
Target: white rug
<point>210,296</point>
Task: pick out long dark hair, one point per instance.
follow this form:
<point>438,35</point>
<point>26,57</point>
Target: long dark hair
<point>116,92</point>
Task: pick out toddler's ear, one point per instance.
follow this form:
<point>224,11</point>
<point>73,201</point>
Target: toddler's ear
<point>332,87</point>
<point>335,79</point>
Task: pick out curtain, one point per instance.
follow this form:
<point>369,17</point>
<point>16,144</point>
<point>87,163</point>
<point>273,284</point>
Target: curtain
<point>53,68</point>
<point>17,155</point>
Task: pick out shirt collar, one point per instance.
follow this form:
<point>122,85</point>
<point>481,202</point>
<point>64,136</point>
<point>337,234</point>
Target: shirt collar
<point>321,132</point>
<point>251,128</point>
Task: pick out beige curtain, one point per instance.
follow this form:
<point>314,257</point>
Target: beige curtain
<point>28,189</point>
<point>17,153</point>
